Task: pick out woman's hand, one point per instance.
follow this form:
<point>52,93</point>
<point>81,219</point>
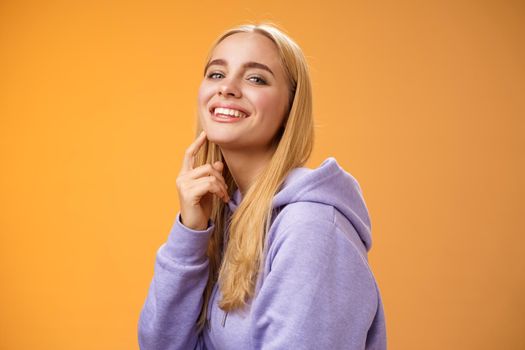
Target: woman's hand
<point>197,186</point>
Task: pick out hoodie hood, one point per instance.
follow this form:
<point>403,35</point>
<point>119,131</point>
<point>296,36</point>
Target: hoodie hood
<point>328,184</point>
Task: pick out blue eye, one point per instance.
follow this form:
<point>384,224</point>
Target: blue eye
<point>211,75</point>
<point>256,79</point>
<point>259,81</point>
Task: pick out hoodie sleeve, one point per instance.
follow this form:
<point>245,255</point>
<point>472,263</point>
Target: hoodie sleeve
<point>319,293</point>
<point>169,315</point>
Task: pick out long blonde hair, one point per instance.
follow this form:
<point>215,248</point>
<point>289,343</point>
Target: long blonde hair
<point>235,263</point>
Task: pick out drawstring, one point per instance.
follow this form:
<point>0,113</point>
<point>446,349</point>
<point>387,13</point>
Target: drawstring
<point>211,306</point>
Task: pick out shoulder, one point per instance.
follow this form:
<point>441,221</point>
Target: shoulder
<point>310,229</point>
<point>304,213</point>
<point>299,218</point>
<point>308,226</point>
<point>314,218</point>
<point>306,240</point>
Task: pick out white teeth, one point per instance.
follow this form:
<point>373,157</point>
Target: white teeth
<point>228,111</point>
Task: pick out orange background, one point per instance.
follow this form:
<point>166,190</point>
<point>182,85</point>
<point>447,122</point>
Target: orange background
<point>422,101</point>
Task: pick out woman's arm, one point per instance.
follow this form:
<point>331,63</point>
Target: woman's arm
<point>319,294</point>
<point>168,318</point>
<point>169,315</point>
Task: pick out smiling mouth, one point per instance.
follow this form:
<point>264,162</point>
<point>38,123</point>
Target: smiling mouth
<point>229,113</point>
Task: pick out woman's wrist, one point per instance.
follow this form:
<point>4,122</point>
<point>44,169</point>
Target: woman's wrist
<point>195,227</point>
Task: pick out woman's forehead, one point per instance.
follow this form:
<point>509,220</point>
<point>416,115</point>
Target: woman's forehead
<point>244,47</point>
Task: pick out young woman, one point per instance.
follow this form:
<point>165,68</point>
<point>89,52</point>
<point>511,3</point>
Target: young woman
<point>264,253</point>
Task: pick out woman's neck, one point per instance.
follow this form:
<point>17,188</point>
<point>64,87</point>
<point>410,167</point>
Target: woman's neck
<point>245,166</point>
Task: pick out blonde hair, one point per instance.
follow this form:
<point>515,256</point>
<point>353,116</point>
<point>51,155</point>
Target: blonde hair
<point>235,263</point>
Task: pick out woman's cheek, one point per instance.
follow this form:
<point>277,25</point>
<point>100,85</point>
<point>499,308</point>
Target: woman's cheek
<point>201,94</point>
<point>262,102</point>
<point>202,104</point>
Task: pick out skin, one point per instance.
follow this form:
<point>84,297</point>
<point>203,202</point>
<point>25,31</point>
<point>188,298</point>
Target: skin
<point>245,145</point>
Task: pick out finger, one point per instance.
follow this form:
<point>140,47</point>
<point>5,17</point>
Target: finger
<point>206,184</point>
<point>191,151</point>
<point>219,166</point>
<point>221,184</point>
<point>206,170</point>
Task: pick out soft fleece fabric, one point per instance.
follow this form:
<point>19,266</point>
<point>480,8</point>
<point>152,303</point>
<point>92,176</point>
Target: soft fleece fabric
<point>316,290</point>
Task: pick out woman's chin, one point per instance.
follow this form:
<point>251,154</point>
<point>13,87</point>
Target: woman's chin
<point>220,136</point>
<point>225,141</point>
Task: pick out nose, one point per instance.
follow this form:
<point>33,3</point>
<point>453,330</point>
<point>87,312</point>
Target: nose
<point>228,87</point>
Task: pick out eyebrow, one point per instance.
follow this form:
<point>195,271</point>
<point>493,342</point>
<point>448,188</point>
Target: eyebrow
<point>251,64</point>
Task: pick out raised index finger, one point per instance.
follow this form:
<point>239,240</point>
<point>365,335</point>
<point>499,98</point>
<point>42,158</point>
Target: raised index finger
<point>192,150</point>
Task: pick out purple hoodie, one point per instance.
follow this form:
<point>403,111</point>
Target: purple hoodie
<point>316,290</point>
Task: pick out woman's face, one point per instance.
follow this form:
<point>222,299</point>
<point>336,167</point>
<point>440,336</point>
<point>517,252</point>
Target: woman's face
<point>243,75</point>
